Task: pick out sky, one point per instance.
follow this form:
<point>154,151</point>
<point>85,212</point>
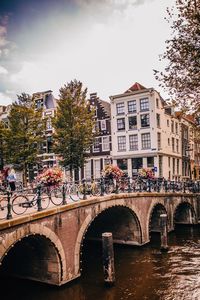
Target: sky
<point>107,44</point>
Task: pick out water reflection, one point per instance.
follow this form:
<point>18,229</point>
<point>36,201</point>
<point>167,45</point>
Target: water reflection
<point>141,273</point>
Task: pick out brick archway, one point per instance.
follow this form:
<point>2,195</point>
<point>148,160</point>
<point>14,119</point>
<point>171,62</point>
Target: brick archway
<point>184,213</point>
<point>90,219</point>
<point>44,234</point>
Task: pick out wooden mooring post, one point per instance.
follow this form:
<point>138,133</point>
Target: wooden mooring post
<point>163,232</point>
<point>108,259</point>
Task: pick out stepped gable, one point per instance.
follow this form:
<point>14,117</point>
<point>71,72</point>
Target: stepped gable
<point>105,106</point>
<point>135,87</point>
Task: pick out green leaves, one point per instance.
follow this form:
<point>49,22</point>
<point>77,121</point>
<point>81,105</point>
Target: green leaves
<point>73,125</point>
<point>181,75</point>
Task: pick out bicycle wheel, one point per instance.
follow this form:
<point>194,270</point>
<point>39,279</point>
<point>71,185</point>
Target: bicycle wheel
<point>3,208</point>
<point>45,200</point>
<point>96,189</point>
<point>20,204</point>
<point>74,193</point>
<point>56,196</point>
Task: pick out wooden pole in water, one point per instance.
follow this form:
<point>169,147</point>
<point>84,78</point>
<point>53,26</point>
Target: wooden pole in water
<point>163,231</point>
<point>108,259</point>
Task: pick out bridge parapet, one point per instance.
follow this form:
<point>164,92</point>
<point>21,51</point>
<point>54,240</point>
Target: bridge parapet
<point>61,230</point>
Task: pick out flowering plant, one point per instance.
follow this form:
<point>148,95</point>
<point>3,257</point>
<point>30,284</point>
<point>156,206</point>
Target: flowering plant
<point>147,173</point>
<point>113,171</point>
<point>50,176</point>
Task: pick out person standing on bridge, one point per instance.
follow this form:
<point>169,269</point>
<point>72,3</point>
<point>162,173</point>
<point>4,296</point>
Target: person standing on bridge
<point>11,178</point>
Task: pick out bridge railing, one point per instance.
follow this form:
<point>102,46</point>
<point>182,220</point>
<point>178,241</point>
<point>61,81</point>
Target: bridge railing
<point>41,197</point>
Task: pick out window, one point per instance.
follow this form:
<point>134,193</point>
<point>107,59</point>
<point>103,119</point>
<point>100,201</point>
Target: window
<point>150,162</point>
<point>176,128</point>
<point>105,143</point>
<point>167,123</point>
<point>132,121</point>
<point>177,146</point>
<point>173,165</point>
<point>172,126</point>
<point>122,164</point>
<point>49,124</point>
<point>96,145</point>
<point>120,108</point>
<point>144,120</point>
<point>159,140</point>
<point>157,102</point>
<point>158,120</point>
<point>121,143</point>
<point>39,103</point>
<point>103,124</point>
<point>144,104</point>
<point>97,168</point>
<point>96,126</point>
<point>173,146</point>
<point>132,106</point>
<point>146,140</point>
<point>133,142</point>
<point>168,141</point>
<point>137,163</point>
<point>88,170</point>
<point>121,124</point>
<point>160,163</point>
<point>177,166</point>
<point>169,162</point>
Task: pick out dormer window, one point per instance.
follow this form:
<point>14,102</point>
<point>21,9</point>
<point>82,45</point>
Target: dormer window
<point>39,103</point>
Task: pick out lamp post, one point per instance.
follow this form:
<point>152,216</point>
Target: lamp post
<point>187,150</point>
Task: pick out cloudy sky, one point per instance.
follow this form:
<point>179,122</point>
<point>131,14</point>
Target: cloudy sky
<point>106,44</point>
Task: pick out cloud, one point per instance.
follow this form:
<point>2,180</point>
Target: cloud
<point>3,71</point>
<point>6,98</point>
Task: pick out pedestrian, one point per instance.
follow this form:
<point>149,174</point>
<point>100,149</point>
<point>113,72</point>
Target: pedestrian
<point>11,178</point>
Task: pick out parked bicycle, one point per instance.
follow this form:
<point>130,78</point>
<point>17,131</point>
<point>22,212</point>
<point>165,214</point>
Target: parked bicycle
<point>21,203</point>
<point>3,204</point>
<point>72,192</point>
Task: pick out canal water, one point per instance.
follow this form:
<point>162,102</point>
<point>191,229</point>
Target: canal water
<point>141,273</point>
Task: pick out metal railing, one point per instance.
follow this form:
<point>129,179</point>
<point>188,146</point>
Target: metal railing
<point>41,197</point>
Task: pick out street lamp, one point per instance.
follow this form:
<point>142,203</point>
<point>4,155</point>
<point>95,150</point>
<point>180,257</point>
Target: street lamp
<point>187,150</point>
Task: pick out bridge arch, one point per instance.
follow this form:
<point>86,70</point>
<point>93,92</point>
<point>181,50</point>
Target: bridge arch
<point>184,213</point>
<point>121,220</point>
<point>40,249</point>
<point>154,217</point>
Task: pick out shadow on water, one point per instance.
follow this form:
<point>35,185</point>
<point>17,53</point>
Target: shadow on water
<point>141,273</point>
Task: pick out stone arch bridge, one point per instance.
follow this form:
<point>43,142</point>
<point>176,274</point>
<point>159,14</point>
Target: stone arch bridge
<point>49,242</point>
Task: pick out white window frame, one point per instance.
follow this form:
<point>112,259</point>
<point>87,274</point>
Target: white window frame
<point>105,145</point>
<point>103,124</point>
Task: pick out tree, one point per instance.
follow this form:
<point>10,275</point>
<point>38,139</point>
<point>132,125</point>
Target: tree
<point>73,125</point>
<point>181,75</point>
<point>25,132</point>
<point>2,145</point>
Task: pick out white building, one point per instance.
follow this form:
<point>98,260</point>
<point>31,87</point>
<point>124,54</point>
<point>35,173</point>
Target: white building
<point>145,133</point>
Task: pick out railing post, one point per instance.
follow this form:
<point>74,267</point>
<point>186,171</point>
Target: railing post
<point>165,186</point>
<point>117,187</point>
<point>129,185</point>
<point>9,205</point>
<point>149,185</point>
<point>64,195</point>
<point>84,189</point>
<point>173,187</point>
<point>198,187</point>
<point>158,186</point>
<point>184,187</point>
<point>102,186</point>
<point>39,204</point>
